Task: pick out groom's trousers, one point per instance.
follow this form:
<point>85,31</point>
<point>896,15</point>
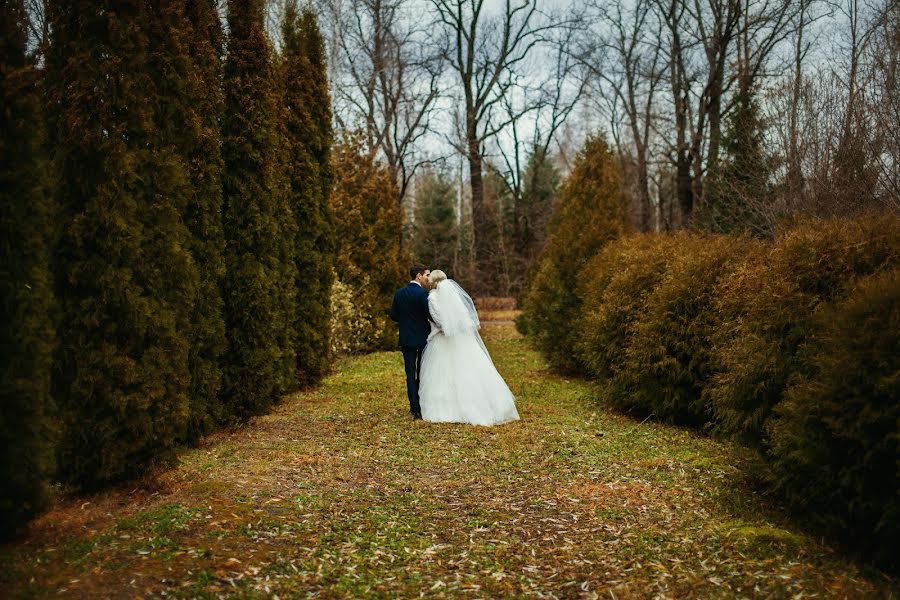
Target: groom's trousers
<point>412,362</point>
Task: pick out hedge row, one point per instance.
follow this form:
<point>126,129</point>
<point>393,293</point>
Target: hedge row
<point>167,238</point>
<point>792,346</point>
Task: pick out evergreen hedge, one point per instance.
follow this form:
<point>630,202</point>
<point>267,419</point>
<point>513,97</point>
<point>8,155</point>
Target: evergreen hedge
<point>308,139</point>
<point>167,207</point>
<point>256,289</point>
<point>791,345</point>
<point>835,441</point>
<point>201,138</point>
<point>26,289</point>
<point>768,307</point>
<point>124,275</point>
<point>591,211</point>
<point>615,288</point>
<point>669,356</point>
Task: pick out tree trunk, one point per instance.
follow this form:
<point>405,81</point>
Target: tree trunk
<point>715,120</point>
<point>643,188</point>
<point>480,216</point>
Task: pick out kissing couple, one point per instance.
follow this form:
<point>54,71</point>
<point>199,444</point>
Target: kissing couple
<point>450,377</point>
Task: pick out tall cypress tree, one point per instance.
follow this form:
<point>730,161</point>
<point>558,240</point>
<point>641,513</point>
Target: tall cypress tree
<point>125,277</point>
<point>204,211</point>
<point>591,211</point>
<point>26,296</point>
<point>254,253</point>
<point>308,139</point>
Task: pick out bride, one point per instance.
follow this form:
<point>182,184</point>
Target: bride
<point>458,380</point>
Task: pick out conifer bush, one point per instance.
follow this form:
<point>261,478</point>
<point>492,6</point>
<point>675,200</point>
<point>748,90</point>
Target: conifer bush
<point>836,438</point>
<point>768,305</point>
<point>668,359</point>
<point>125,278</point>
<point>591,211</point>
<point>196,125</point>
<point>26,288</point>
<point>258,281</point>
<point>615,286</point>
<point>308,139</point>
<point>368,225</point>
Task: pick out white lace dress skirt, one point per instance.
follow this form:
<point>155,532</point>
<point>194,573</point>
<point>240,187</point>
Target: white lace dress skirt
<point>459,383</point>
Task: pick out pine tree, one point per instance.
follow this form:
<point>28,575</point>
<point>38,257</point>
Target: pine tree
<point>125,277</point>
<point>254,289</point>
<point>739,190</point>
<point>308,139</point>
<point>540,185</point>
<point>203,215</point>
<point>26,332</point>
<point>436,231</point>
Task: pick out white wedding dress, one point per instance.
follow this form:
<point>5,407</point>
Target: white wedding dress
<point>458,380</point>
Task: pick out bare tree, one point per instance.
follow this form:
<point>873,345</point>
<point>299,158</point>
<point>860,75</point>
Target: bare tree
<point>711,47</point>
<point>625,58</point>
<point>38,27</point>
<point>534,114</point>
<point>488,48</point>
<point>387,80</point>
<point>882,96</point>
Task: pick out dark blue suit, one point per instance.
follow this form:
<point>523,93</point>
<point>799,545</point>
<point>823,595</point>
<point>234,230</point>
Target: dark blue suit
<point>410,311</point>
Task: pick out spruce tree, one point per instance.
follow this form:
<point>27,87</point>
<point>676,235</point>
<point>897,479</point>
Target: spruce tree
<point>540,185</point>
<point>254,289</point>
<point>124,273</point>
<point>203,216</point>
<point>739,190</point>
<point>26,331</point>
<point>436,233</point>
<point>308,139</point>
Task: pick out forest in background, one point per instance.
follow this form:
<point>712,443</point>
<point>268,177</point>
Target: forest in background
<point>724,115</point>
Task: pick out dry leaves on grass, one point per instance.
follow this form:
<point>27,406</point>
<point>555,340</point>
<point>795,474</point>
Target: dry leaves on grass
<point>338,494</point>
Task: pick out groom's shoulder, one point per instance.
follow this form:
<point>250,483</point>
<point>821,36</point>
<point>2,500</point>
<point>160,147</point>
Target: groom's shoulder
<point>404,289</point>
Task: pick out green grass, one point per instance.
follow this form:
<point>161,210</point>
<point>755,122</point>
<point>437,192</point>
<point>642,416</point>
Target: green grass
<point>337,493</point>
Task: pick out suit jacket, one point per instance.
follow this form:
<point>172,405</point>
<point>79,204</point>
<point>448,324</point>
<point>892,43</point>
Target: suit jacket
<point>410,310</point>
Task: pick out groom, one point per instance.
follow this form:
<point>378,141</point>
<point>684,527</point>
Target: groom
<point>410,310</point>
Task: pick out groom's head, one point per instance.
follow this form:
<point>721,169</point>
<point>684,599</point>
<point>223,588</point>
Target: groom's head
<point>419,272</point>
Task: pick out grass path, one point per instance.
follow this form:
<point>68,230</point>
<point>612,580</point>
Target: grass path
<point>338,493</point>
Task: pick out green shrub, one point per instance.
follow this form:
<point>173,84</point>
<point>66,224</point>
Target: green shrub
<point>590,212</point>
<point>615,287</point>
<point>767,307</point>
<point>126,280</point>
<point>353,328</point>
<point>668,359</point>
<point>26,287</point>
<point>835,445</point>
<point>259,229</point>
<point>307,147</point>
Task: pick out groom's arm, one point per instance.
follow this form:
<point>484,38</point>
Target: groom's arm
<point>394,312</point>
<point>425,306</point>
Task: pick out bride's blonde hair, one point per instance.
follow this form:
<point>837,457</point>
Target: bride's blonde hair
<point>436,277</point>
